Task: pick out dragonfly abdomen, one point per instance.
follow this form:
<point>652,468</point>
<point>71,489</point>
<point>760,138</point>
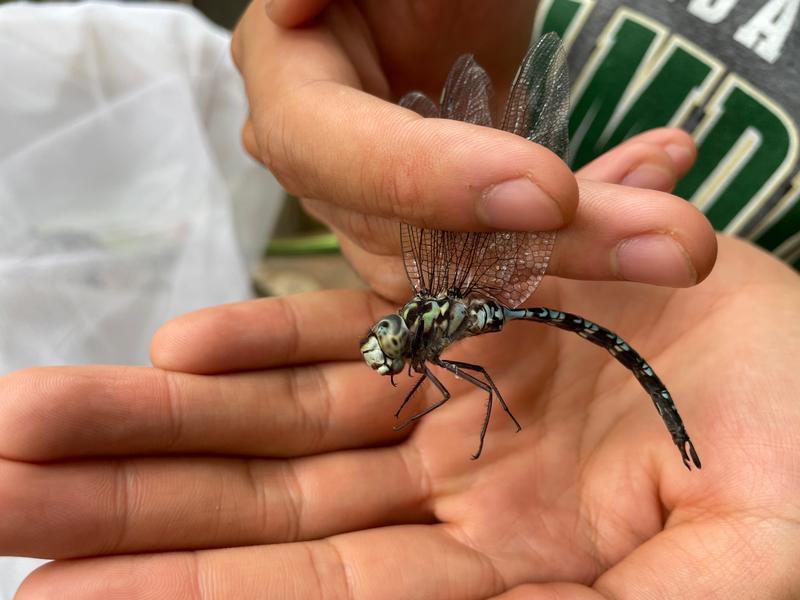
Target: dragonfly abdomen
<point>621,350</point>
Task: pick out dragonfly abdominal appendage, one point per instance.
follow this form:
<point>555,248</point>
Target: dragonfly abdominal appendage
<point>471,283</point>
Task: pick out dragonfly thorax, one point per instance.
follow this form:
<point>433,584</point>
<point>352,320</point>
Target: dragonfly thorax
<point>424,327</point>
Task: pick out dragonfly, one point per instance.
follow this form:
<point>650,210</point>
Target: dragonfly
<point>472,283</point>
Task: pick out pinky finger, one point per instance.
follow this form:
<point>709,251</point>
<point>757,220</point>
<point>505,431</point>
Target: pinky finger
<point>655,160</point>
<point>388,563</point>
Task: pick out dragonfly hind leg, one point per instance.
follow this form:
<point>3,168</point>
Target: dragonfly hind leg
<point>458,368</point>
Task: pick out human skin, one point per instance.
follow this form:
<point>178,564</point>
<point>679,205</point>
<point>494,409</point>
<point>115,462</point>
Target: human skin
<point>322,78</point>
<point>257,459</point>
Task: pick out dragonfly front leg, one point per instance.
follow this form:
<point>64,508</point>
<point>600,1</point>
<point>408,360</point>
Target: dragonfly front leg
<point>445,397</point>
<point>411,393</point>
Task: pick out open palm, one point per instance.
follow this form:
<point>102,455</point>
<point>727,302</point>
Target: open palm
<point>257,459</point>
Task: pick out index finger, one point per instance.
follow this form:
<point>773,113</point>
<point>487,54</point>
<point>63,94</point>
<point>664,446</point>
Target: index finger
<point>269,332</point>
<point>322,137</point>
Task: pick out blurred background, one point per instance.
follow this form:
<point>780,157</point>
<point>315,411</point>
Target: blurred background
<point>303,256</point>
<point>126,197</point>
<point>224,14</point>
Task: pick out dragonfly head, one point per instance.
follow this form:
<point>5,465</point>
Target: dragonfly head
<point>385,345</point>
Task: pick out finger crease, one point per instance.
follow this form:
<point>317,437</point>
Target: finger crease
<point>345,590</point>
<point>422,471</point>
<point>122,505</point>
<point>170,387</point>
<point>258,493</point>
<point>322,421</point>
<point>309,433</point>
<point>194,568</point>
<point>292,326</point>
<point>295,501</point>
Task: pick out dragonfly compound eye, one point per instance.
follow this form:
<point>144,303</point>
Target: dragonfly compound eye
<point>392,335</point>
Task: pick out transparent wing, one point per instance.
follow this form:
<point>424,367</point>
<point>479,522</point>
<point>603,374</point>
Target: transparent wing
<point>506,266</point>
<point>420,103</point>
<point>538,104</point>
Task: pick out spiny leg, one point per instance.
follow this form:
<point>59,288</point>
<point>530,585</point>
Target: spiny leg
<point>411,393</point>
<point>480,369</point>
<point>621,350</point>
<point>453,368</point>
<point>422,413</point>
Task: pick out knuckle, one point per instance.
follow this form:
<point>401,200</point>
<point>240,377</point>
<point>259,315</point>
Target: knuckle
<point>393,183</point>
<point>274,150</point>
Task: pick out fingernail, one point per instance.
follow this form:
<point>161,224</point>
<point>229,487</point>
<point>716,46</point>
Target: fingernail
<point>682,157</point>
<point>654,258</point>
<point>650,177</point>
<point>518,205</point>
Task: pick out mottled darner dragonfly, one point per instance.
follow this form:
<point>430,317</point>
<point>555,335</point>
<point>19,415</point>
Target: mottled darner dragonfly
<point>468,283</point>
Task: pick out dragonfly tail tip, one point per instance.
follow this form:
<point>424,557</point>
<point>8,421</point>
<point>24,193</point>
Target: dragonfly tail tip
<point>692,452</point>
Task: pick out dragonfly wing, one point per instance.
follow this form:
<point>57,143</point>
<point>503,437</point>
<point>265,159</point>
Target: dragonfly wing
<point>428,255</point>
<point>507,266</point>
<point>538,104</point>
<point>467,95</point>
<point>514,263</point>
<point>420,104</point>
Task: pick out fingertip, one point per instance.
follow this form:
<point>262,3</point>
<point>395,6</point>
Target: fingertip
<point>676,143</point>
<point>165,346</point>
<point>558,180</point>
<point>655,159</point>
<point>249,139</point>
<point>291,13</point>
<point>704,248</point>
<point>682,151</point>
<point>638,235</point>
<point>186,342</point>
<point>513,183</point>
<point>698,240</point>
<point>697,237</point>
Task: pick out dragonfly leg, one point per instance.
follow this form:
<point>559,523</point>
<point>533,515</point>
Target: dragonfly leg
<point>482,370</point>
<point>445,397</point>
<point>457,368</point>
<point>411,393</point>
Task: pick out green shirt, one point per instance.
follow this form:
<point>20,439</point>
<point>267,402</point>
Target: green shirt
<point>727,71</point>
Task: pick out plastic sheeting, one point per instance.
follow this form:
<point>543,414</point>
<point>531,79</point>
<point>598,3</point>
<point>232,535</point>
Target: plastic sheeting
<point>125,196</point>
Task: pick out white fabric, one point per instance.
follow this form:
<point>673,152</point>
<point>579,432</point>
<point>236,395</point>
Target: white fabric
<point>119,162</point>
<point>125,196</point>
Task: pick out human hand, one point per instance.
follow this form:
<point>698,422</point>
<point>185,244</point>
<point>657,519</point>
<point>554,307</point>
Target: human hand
<point>322,120</point>
<point>257,459</point>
